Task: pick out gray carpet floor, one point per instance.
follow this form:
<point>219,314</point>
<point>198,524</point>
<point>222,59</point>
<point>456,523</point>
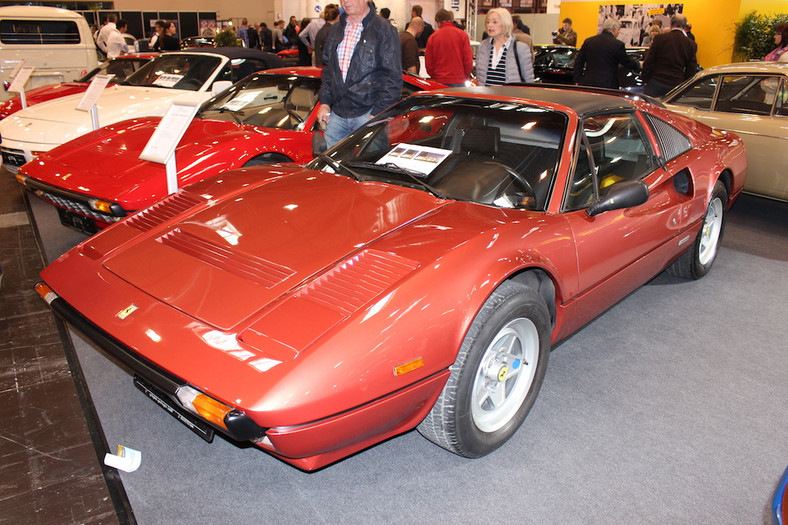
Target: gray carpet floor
<point>669,409</point>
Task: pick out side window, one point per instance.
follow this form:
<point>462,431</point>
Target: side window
<point>753,94</point>
<point>614,151</point>
<point>698,95</point>
<point>781,108</point>
<point>39,32</point>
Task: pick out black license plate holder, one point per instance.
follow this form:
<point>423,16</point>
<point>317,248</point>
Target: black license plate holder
<point>197,426</point>
<point>77,221</point>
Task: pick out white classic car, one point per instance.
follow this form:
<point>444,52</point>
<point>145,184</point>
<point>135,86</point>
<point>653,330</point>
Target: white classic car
<point>178,76</point>
<point>751,99</point>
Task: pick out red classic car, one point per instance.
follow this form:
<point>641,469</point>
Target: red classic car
<point>120,67</point>
<point>415,275</point>
<point>267,117</point>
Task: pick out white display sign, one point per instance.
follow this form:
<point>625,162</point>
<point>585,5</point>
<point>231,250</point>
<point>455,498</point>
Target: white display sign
<point>421,159</point>
<point>93,92</point>
<point>167,80</point>
<point>21,78</point>
<point>169,132</point>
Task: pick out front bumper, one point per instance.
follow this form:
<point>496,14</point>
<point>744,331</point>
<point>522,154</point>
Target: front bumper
<point>73,202</point>
<point>158,381</point>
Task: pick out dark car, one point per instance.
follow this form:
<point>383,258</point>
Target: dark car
<point>555,65</point>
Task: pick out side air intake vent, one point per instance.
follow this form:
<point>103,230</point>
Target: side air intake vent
<point>671,141</point>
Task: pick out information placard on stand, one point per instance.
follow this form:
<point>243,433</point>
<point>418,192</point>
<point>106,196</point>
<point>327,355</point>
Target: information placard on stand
<point>161,146</point>
<point>20,75</point>
<point>89,99</point>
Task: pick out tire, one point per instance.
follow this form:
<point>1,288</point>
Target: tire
<point>698,259</point>
<point>497,374</point>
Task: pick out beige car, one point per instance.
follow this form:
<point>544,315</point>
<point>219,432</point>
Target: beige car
<point>751,99</point>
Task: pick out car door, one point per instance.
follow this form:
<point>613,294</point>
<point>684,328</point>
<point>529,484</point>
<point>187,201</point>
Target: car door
<point>755,106</point>
<point>621,249</point>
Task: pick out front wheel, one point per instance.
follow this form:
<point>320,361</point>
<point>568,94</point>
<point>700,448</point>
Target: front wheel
<point>496,376</point>
<point>697,260</point>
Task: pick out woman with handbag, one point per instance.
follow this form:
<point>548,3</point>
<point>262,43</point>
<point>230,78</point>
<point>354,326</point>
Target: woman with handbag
<point>501,58</point>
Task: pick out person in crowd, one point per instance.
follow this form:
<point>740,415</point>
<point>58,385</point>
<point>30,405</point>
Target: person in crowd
<point>417,10</point>
<point>309,32</point>
<point>291,32</point>
<point>362,74</point>
<point>781,39</point>
<point>253,35</point>
<point>170,41</point>
<point>522,32</point>
<point>409,47</point>
<point>688,31</point>
<point>158,35</point>
<point>565,36</point>
<point>448,57</point>
<point>386,13</point>
<point>278,41</point>
<point>597,61</point>
<point>304,51</point>
<point>116,44</point>
<point>671,59</point>
<point>104,32</point>
<point>331,16</point>
<point>243,32</point>
<point>266,37</point>
<point>501,59</point>
<point>653,30</point>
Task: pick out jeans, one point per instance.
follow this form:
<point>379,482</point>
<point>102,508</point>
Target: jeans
<point>338,128</point>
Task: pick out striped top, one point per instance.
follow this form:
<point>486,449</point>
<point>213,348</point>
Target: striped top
<point>348,46</point>
<point>496,75</point>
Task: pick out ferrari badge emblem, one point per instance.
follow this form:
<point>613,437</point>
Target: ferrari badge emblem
<point>123,314</point>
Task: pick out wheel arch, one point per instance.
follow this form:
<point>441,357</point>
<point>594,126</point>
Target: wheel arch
<point>541,281</point>
<point>726,177</point>
<point>269,157</point>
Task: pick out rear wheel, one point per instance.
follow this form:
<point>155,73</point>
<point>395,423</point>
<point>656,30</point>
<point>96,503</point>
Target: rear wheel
<point>697,260</point>
<point>497,375</point>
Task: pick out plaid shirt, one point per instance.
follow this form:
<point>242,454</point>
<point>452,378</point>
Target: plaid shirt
<point>348,45</point>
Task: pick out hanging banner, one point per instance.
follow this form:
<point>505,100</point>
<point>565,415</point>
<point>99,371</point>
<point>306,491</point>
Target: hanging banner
<point>457,7</point>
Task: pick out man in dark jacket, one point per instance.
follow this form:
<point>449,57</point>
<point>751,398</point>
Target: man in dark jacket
<point>671,59</point>
<point>362,74</point>
<point>266,38</point>
<point>600,55</point>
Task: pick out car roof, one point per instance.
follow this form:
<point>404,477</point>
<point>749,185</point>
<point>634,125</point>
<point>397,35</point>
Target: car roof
<point>37,11</point>
<point>230,52</point>
<point>580,100</point>
<point>748,67</point>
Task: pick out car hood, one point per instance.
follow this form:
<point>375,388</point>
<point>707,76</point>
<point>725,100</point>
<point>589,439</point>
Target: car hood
<point>58,121</point>
<point>232,257</point>
<point>106,164</point>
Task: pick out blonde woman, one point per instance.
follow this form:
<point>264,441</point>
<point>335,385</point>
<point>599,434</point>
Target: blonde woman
<point>501,59</point>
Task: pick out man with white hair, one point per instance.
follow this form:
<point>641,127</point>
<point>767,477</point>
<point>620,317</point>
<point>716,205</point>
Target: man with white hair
<point>597,62</point>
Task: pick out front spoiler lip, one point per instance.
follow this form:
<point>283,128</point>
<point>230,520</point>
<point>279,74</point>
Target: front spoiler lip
<point>240,427</point>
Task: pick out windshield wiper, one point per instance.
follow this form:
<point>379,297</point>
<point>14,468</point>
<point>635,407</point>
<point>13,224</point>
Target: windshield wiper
<point>390,167</point>
<point>233,112</point>
<point>338,167</point>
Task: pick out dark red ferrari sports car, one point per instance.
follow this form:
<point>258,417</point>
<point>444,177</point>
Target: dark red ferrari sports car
<point>413,276</point>
<point>267,117</point>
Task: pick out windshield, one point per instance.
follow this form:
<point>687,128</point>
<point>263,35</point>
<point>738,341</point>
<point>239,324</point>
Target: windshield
<point>272,101</point>
<point>119,68</point>
<point>485,151</point>
<point>176,71</point>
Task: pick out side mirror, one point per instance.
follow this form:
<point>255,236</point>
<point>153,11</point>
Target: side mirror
<point>219,86</point>
<point>318,143</point>
<point>620,196</point>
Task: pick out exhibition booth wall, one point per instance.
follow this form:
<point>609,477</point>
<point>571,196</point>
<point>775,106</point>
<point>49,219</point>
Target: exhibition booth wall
<point>713,21</point>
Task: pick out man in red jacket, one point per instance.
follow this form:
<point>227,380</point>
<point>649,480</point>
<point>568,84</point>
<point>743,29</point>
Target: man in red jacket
<point>448,57</point>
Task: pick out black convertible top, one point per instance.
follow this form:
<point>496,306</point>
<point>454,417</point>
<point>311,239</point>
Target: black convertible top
<point>234,53</point>
<point>582,100</point>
